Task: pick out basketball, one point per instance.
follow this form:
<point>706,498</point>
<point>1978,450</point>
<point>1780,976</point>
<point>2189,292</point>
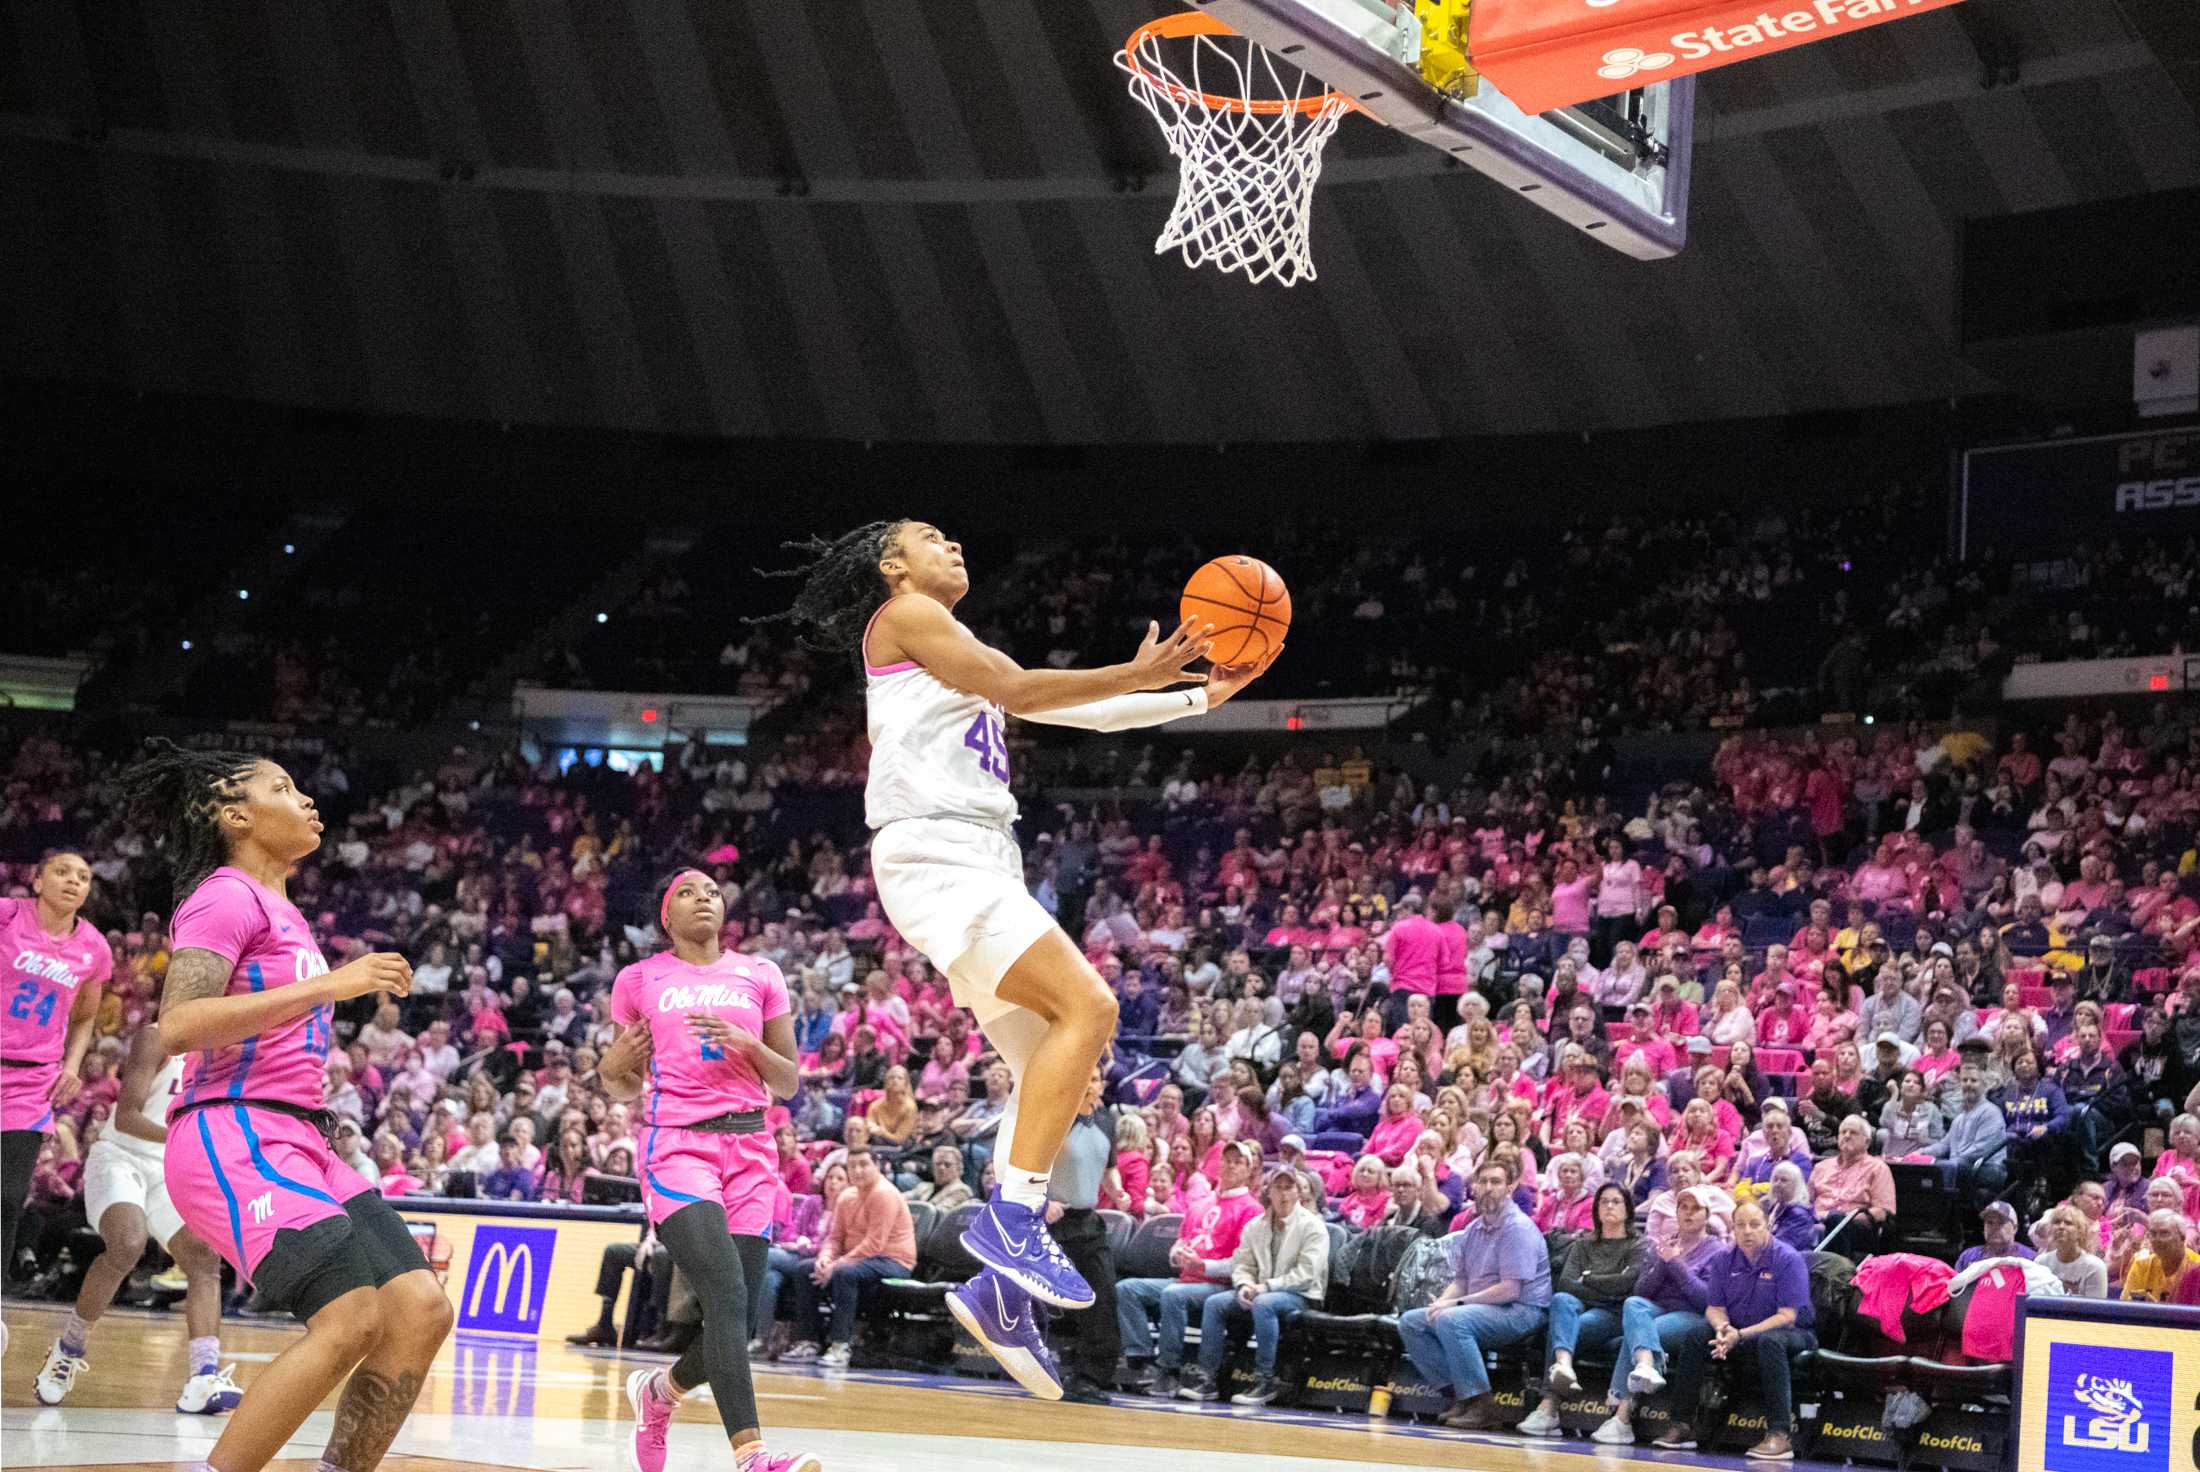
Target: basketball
<point>1245,601</point>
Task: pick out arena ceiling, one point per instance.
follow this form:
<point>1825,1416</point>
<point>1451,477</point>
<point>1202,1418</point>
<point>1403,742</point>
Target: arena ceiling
<point>919,220</point>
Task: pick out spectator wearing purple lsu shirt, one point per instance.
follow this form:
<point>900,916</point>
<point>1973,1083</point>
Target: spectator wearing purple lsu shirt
<point>1757,1308</point>
<point>1999,1220</point>
<point>1666,1306</point>
<point>1499,1294</point>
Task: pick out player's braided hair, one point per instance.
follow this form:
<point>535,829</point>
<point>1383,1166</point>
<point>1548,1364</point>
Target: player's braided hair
<point>841,585</point>
<point>176,796</point>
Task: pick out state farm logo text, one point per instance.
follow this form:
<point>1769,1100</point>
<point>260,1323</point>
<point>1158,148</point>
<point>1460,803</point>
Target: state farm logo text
<point>1767,28</point>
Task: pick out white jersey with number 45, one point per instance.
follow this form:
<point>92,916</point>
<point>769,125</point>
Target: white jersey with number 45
<point>936,752</point>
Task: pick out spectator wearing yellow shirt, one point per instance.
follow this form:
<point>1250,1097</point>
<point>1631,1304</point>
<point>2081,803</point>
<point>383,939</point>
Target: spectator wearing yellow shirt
<point>2148,1280</point>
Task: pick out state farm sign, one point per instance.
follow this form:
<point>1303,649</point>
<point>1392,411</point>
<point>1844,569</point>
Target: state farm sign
<point>1544,54</point>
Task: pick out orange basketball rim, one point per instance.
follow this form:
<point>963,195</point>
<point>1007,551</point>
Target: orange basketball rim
<point>1190,25</point>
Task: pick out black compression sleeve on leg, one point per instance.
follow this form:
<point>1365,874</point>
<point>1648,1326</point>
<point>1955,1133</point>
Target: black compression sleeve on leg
<point>18,1162</point>
<point>716,1264</point>
<point>755,1257</point>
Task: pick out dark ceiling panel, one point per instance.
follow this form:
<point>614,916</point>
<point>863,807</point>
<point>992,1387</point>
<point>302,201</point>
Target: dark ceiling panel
<point>901,218</point>
<point>380,88</point>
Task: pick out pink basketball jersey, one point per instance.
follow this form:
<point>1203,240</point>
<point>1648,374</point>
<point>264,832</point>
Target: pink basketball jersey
<point>41,977</point>
<point>267,945</point>
<point>686,1082</point>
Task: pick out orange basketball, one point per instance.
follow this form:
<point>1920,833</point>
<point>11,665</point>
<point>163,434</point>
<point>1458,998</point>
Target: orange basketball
<point>1245,601</point>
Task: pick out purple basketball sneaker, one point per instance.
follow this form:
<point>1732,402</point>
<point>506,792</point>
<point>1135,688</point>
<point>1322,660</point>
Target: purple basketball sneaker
<point>1014,1241</point>
<point>1001,1316</point>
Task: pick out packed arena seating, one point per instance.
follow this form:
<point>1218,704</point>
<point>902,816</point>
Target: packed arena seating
<point>1955,981</point>
<point>1768,619</point>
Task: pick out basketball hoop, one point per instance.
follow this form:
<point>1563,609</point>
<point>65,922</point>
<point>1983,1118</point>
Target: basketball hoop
<point>1247,128</point>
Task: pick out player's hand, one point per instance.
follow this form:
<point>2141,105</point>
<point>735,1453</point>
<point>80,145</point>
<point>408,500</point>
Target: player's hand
<point>628,1054</point>
<point>1247,1293</point>
<point>1226,680</point>
<point>719,1033</point>
<point>376,971</point>
<point>66,1086</point>
<point>1160,662</point>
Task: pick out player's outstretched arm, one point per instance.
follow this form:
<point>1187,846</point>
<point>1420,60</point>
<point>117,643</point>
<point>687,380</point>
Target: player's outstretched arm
<point>922,630</point>
<point>1133,712</point>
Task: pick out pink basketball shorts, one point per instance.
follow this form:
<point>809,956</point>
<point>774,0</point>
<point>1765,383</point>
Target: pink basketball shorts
<point>26,1097</point>
<point>238,1175</point>
<point>740,1172</point>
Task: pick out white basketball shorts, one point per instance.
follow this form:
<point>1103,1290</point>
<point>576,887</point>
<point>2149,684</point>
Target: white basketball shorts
<point>116,1174</point>
<point>955,890</point>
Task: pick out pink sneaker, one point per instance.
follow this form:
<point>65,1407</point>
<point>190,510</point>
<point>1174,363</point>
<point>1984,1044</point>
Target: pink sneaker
<point>792,1462</point>
<point>652,1418</point>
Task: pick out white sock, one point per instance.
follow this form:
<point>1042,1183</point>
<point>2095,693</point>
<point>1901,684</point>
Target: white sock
<point>1024,1187</point>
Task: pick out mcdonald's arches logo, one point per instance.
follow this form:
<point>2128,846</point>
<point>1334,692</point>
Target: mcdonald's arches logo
<point>507,1279</point>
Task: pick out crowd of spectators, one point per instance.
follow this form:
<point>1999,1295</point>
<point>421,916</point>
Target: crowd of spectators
<point>1508,1012</point>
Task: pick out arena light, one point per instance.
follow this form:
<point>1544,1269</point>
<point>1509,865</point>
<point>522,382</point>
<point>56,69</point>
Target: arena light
<point>290,549</point>
<point>187,646</point>
<point>244,594</point>
<point>603,618</point>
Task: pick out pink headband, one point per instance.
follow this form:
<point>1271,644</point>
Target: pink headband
<point>664,911</point>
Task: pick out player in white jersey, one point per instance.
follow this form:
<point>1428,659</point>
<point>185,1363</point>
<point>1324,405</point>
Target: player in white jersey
<point>950,874</point>
<point>126,1199</point>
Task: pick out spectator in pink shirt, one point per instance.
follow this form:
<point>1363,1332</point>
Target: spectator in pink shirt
<point>1712,934</point>
<point>1881,877</point>
<point>1672,1018</point>
<point>1831,1023</point>
<point>941,1070</point>
<point>1289,930</point>
<point>1398,1127</point>
<point>1776,971</point>
<point>1365,1204</point>
<point>1698,1132</point>
<point>1578,1093</point>
<point>1647,1046</point>
<point>1783,1023</point>
<point>1566,1199</point>
<point>1570,891</point>
<point>1619,897</point>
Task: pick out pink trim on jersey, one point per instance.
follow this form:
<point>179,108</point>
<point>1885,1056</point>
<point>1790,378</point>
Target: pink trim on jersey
<point>863,646</point>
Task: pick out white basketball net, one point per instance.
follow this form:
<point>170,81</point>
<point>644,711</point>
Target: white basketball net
<point>1245,183</point>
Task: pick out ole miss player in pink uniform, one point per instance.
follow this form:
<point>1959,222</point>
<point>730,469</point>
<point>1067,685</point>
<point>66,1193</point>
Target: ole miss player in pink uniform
<point>248,1163</point>
<point>52,967</point>
<point>709,1038</point>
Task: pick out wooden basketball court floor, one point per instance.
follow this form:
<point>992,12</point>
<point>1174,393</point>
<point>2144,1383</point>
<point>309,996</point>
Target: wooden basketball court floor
<point>493,1404</point>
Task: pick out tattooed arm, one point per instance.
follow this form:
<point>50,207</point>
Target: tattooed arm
<point>195,1015</point>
